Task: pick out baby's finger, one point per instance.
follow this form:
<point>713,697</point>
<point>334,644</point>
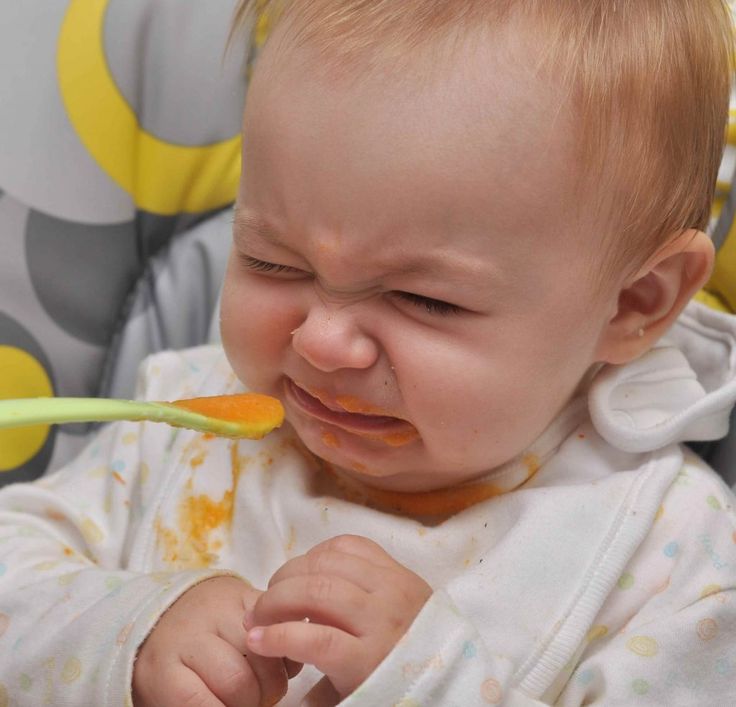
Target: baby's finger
<point>360,547</point>
<point>324,599</point>
<point>272,676</point>
<point>330,650</point>
<point>323,694</point>
<point>353,568</point>
<point>186,689</point>
<point>293,668</point>
<point>226,673</point>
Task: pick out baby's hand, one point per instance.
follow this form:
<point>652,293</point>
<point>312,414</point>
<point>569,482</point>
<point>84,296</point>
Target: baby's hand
<point>341,607</point>
<point>195,654</point>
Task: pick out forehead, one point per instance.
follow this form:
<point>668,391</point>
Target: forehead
<point>475,137</point>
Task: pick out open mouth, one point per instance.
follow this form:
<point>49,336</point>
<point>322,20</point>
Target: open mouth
<point>383,427</point>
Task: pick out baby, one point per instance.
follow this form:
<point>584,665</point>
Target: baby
<point>463,230</point>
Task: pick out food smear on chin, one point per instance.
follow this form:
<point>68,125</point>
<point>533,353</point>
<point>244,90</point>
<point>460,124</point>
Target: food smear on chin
<point>330,440</point>
<point>399,439</point>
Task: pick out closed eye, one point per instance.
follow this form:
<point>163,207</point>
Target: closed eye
<point>264,266</point>
<point>433,306</point>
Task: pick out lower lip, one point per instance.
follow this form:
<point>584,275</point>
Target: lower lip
<point>391,430</point>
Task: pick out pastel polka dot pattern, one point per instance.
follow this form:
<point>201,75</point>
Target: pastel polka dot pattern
<point>491,692</point>
<point>585,677</point>
<point>707,629</point>
<point>640,686</point>
<point>91,531</point>
<point>671,549</point>
<point>113,583</point>
<point>469,650</point>
<point>626,581</point>
<point>644,646</point>
<point>71,671</point>
<point>597,632</point>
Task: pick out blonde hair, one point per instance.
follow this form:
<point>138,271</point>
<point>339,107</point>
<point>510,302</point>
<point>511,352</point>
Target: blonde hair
<point>650,81</point>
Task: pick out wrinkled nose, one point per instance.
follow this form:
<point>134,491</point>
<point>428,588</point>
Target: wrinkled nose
<point>330,338</point>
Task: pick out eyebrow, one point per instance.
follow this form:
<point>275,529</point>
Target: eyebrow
<point>247,221</point>
<point>423,263</point>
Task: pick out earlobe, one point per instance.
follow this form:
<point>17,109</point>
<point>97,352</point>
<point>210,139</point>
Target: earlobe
<point>651,300</point>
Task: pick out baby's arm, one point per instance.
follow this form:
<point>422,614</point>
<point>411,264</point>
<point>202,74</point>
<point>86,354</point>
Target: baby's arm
<point>75,602</point>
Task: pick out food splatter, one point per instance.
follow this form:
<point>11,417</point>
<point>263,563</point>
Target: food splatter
<point>330,440</point>
<point>201,520</point>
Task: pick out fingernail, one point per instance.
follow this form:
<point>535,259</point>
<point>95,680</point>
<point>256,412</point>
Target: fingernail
<point>255,635</point>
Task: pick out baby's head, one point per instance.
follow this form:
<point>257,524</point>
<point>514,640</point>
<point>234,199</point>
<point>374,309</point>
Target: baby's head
<point>450,213</point>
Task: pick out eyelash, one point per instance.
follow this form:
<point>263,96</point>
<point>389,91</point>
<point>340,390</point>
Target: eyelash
<point>264,266</point>
<point>433,306</point>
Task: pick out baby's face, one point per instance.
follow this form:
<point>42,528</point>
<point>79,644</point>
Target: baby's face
<point>405,276</point>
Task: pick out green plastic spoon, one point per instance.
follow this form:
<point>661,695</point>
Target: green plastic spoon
<point>249,415</point>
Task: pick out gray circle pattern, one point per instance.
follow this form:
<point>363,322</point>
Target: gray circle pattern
<point>81,273</point>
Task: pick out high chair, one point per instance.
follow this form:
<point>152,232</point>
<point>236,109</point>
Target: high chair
<point>119,158</point>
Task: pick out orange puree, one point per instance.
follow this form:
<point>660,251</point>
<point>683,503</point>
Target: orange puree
<point>247,407</point>
<point>352,404</point>
<point>441,502</point>
<point>399,439</point>
<point>330,440</point>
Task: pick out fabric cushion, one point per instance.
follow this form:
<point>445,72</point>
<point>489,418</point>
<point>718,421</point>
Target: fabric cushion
<point>119,130</point>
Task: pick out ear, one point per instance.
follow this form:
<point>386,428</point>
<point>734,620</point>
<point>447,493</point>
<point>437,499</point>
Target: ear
<point>650,300</point>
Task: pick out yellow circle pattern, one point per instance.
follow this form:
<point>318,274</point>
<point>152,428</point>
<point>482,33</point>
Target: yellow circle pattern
<point>21,376</point>
<point>644,646</point>
<point>161,177</point>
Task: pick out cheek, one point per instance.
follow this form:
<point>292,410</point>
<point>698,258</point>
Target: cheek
<point>482,405</point>
<point>256,324</point>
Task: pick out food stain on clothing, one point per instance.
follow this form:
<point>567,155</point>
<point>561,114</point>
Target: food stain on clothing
<point>195,452</point>
<point>201,520</point>
<point>291,540</point>
<point>198,460</point>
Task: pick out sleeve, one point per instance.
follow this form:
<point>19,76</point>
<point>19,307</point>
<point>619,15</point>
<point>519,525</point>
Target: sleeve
<point>667,634</point>
<point>442,660</point>
<point>72,611</point>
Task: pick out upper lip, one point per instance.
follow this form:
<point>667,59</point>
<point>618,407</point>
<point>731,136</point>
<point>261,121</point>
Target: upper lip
<point>347,403</point>
<point>330,410</point>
